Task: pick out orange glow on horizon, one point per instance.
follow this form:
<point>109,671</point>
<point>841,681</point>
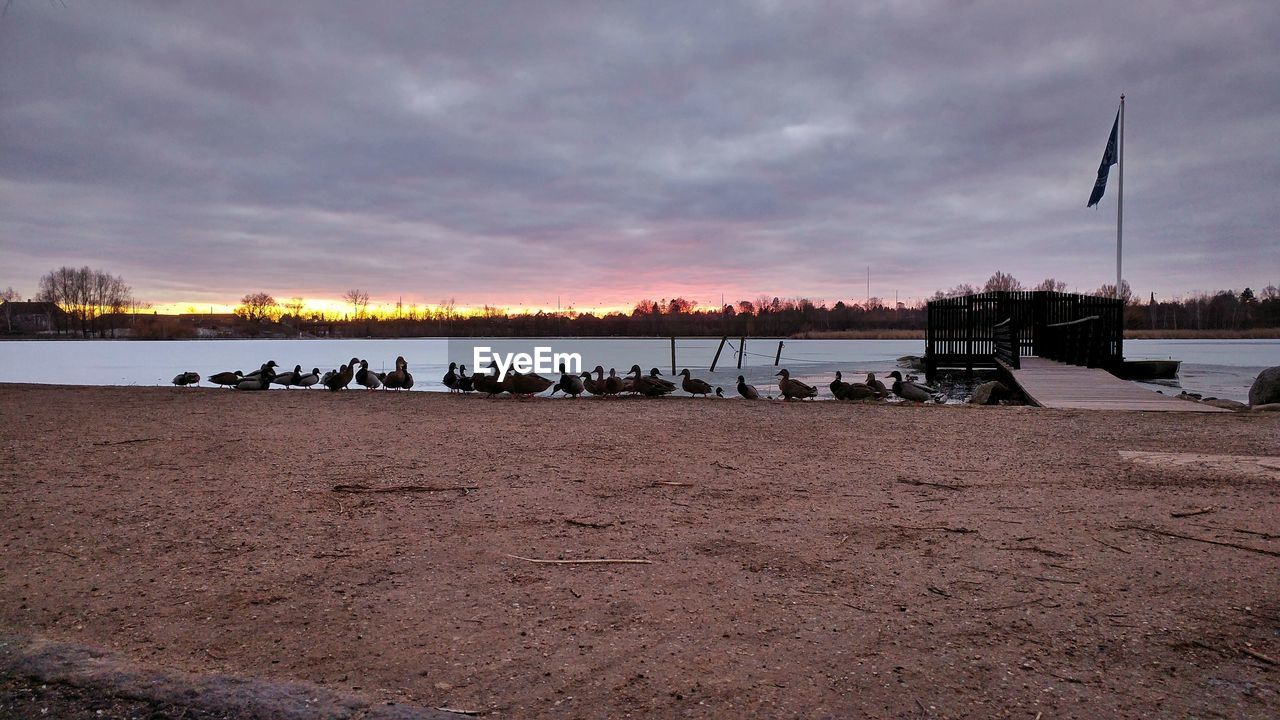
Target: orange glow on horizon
<point>342,308</point>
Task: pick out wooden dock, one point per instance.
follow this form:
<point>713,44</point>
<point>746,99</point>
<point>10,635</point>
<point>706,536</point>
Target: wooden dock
<point>1052,384</point>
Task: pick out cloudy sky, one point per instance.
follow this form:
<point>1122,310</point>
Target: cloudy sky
<point>599,152</point>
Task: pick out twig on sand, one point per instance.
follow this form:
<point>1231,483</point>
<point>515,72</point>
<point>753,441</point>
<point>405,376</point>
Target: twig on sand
<point>599,561</point>
<point>943,528</point>
<point>908,481</point>
<point>1237,546</point>
<point>843,540</point>
<point>460,711</point>
<point>60,552</point>
<point>1259,656</point>
<point>1113,547</point>
<point>670,483</point>
<point>1192,513</point>
<point>1263,535</point>
<point>126,442</point>
<point>724,466</point>
<point>584,523</point>
<point>401,488</point>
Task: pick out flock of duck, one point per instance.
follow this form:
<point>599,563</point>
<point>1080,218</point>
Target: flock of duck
<point>594,382</point>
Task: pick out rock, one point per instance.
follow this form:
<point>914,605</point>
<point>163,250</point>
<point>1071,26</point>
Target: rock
<point>989,393</point>
<point>915,362</point>
<point>1266,407</point>
<point>1225,404</point>
<point>1266,389</point>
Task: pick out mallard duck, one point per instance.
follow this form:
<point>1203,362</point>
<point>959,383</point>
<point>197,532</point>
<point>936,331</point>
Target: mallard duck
<point>694,386</point>
<point>342,378</point>
<point>570,385</point>
<point>464,380</point>
<point>650,385</point>
<point>268,365</point>
<point>748,392</point>
<point>309,379</point>
<point>719,391</point>
<point>857,391</point>
<point>328,375</point>
<point>876,385</point>
<point>288,378</point>
<point>407,384</point>
<point>186,378</point>
<point>525,383</point>
<point>450,379</point>
<point>613,384</point>
<point>794,388</point>
<point>487,382</point>
<point>260,379</point>
<point>395,379</point>
<point>229,378</point>
<point>595,385</point>
<point>909,390</point>
<point>368,378</point>
<point>837,386</point>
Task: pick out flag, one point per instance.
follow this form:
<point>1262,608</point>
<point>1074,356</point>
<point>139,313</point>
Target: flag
<point>1108,159</point>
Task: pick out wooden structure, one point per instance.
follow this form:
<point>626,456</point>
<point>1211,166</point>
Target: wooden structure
<point>1053,384</point>
<point>970,331</point>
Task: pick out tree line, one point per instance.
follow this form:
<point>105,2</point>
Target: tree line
<point>98,303</point>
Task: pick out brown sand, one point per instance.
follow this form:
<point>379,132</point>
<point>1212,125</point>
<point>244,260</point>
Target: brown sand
<point>799,567</point>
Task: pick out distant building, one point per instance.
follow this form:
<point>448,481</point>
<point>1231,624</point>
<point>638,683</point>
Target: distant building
<point>31,318</point>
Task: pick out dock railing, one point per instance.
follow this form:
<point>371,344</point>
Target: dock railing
<point>1006,343</point>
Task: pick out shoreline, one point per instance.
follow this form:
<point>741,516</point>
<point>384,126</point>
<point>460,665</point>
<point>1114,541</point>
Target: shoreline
<point>833,560</point>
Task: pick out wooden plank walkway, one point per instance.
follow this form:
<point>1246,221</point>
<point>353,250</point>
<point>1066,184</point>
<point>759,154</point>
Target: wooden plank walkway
<point>1052,384</point>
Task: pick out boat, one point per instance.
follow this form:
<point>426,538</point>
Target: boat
<point>1148,369</point>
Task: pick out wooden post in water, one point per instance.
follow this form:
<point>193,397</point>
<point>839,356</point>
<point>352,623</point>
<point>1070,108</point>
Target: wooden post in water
<point>716,359</point>
<point>673,354</point>
<point>778,358</point>
<point>742,349</point>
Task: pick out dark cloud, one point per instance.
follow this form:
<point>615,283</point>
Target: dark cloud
<point>518,152</point>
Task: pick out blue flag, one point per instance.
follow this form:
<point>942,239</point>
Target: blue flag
<point>1108,159</point>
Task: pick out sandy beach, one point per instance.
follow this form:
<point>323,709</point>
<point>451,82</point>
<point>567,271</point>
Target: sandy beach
<point>805,559</point>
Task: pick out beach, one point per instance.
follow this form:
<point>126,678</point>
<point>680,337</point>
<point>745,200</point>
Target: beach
<point>803,559</point>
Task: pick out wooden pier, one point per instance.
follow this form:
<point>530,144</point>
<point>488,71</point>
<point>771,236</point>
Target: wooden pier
<point>1053,384</point>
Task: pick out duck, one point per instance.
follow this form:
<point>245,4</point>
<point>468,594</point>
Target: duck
<point>719,391</point>
<point>650,385</point>
<point>594,385</point>
<point>407,384</point>
<point>570,385</point>
<point>909,390</point>
<point>857,391</point>
<point>184,379</point>
<point>451,378</point>
<point>613,384</point>
<point>487,382</point>
<point>328,375</point>
<point>876,385</point>
<point>260,379</point>
<point>342,378</point>
<point>367,378</point>
<point>748,392</point>
<point>525,383</point>
<point>694,386</point>
<point>288,378</point>
<point>309,379</point>
<point>268,365</point>
<point>395,379</point>
<point>838,386</point>
<point>794,388</point>
<point>464,380</point>
<point>227,378</point>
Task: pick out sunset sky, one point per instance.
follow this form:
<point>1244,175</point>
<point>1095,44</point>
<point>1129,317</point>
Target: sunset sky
<point>518,154</point>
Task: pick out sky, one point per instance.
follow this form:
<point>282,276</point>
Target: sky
<point>591,154</point>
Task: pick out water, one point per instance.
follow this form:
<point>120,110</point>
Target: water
<point>1219,368</point>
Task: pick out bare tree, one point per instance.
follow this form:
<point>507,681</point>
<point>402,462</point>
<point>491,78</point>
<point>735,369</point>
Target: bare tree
<point>293,306</point>
<point>9,295</point>
<point>359,300</point>
<point>1002,281</point>
<point>1109,290</point>
<point>1051,285</point>
<point>256,307</point>
<point>86,295</point>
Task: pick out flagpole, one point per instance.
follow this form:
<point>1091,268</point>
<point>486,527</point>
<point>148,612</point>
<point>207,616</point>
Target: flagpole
<point>1120,200</point>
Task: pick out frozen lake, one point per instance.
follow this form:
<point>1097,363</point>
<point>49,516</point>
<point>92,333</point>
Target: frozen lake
<point>1221,368</point>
